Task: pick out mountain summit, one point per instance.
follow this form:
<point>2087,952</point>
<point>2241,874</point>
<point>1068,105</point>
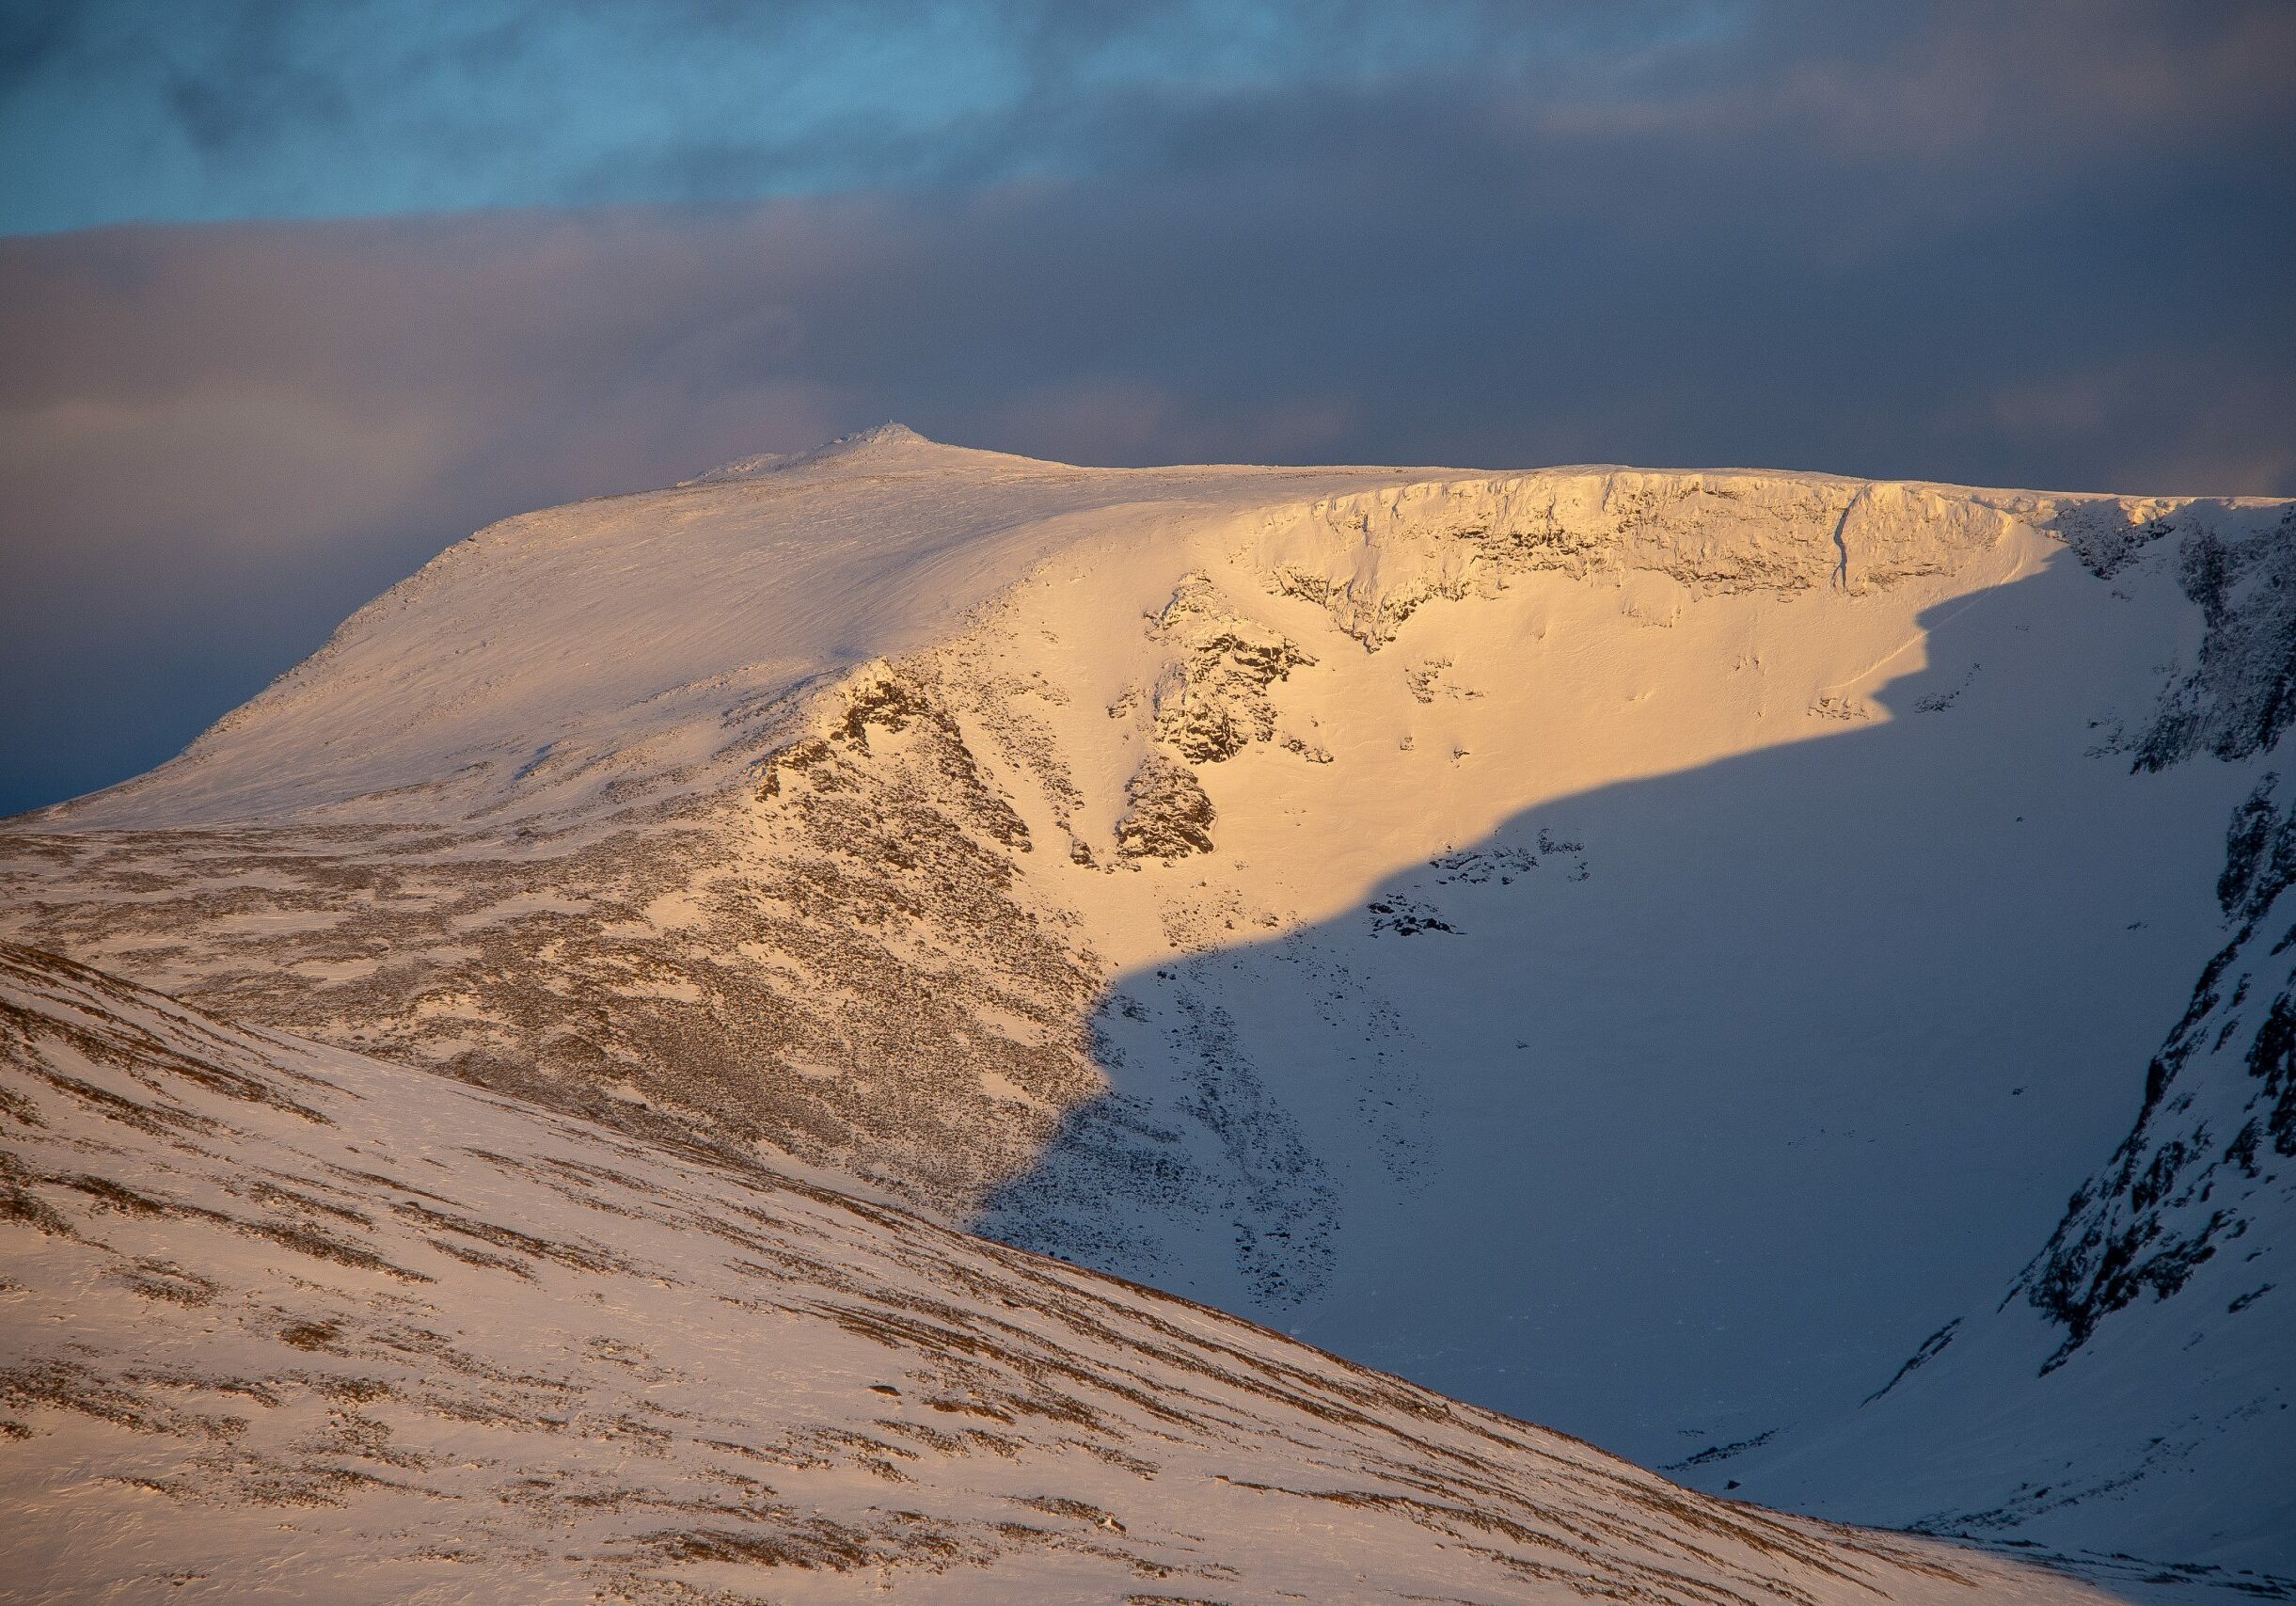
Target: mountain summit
<point>888,448</point>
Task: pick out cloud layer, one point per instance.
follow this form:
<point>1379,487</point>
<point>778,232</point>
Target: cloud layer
<point>2028,245</point>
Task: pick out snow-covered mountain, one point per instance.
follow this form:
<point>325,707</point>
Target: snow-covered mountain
<point>1635,950</point>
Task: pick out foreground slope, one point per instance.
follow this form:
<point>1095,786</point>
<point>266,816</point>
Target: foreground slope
<point>287,1324</point>
<point>1636,949</point>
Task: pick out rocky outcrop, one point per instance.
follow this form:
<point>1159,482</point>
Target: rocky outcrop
<point>2213,1155</point>
<point>1212,703</point>
<point>1375,558</point>
<point>1169,815</point>
<point>2240,698</point>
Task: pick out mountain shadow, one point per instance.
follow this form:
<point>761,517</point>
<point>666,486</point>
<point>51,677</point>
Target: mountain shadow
<point>1683,1106</point>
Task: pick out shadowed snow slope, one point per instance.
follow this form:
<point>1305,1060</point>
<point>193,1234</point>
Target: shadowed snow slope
<point>1639,950</point>
<point>285,1324</point>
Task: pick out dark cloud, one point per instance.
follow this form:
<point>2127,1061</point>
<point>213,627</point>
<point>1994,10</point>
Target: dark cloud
<point>128,110</point>
<point>2013,245</point>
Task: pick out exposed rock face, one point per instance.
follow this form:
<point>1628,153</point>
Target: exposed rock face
<point>2239,699</point>
<point>1215,702</point>
<point>2209,1157</point>
<point>1169,817</point>
<point>1373,559</point>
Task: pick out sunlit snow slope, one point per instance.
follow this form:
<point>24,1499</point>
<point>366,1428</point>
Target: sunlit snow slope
<point>285,1324</point>
<point>1639,950</point>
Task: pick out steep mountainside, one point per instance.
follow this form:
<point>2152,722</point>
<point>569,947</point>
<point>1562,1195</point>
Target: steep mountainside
<point>1637,950</point>
<point>285,1324</point>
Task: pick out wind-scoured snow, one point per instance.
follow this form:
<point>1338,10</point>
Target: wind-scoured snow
<point>1641,951</point>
